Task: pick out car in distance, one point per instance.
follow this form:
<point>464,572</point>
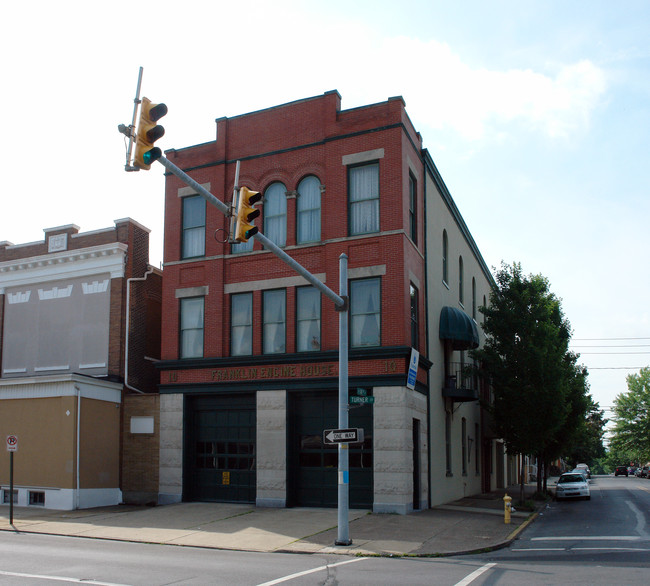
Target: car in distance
<point>572,485</point>
<point>581,471</point>
<point>585,467</point>
<point>620,471</point>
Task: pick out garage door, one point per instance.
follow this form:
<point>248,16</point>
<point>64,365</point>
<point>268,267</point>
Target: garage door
<point>220,449</point>
<point>313,465</point>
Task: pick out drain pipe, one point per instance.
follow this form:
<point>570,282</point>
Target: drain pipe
<point>126,338</point>
<point>77,496</point>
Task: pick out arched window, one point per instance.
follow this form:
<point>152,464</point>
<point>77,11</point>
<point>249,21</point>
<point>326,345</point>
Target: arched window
<point>275,214</point>
<point>308,222</point>
<point>445,256</point>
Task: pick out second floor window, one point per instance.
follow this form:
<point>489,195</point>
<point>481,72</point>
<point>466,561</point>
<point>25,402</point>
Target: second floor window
<point>309,210</point>
<point>307,319</point>
<point>193,243</point>
<point>275,214</point>
<point>274,334</point>
<point>365,313</point>
<point>241,324</point>
<point>363,189</point>
<point>192,320</point>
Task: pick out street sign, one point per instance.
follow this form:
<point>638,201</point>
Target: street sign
<point>361,400</point>
<point>343,436</point>
<point>413,369</point>
<point>12,443</point>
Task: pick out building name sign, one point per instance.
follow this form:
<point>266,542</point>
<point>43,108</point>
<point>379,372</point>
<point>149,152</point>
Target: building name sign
<point>273,372</point>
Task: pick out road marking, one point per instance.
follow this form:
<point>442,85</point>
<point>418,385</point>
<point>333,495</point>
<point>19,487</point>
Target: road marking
<point>475,574</point>
<point>59,579</point>
<point>539,549</point>
<point>307,572</point>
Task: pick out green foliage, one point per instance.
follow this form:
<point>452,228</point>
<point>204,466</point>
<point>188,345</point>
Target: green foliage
<point>631,434</point>
<point>541,404</point>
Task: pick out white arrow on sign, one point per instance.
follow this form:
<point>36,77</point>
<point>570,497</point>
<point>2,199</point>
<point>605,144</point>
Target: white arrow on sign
<point>338,436</point>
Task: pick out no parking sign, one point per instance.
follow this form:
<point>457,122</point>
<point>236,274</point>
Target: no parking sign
<point>12,443</point>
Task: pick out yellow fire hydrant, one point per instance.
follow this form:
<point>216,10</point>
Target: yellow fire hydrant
<point>507,508</point>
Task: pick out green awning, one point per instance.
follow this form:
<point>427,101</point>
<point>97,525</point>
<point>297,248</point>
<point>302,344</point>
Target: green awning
<point>457,326</point>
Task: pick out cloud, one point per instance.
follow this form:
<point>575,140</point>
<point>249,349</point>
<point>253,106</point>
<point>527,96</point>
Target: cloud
<point>443,91</point>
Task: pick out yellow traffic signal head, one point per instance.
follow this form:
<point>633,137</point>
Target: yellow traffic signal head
<point>246,213</point>
<point>148,132</point>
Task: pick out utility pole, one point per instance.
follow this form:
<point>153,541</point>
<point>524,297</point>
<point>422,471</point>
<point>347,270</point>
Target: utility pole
<point>341,303</point>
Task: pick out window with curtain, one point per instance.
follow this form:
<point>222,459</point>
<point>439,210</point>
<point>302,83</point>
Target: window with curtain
<point>275,213</point>
<point>445,257</point>
<point>193,243</point>
<point>414,316</point>
<point>413,208</point>
<point>307,319</point>
<point>274,322</point>
<point>241,324</point>
<point>192,326</point>
<point>365,313</point>
<point>363,189</point>
<point>308,221</point>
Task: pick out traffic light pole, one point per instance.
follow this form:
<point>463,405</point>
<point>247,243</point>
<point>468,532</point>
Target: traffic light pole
<point>342,306</point>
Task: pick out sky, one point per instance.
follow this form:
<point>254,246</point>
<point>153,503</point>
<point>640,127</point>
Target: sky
<point>536,113</point>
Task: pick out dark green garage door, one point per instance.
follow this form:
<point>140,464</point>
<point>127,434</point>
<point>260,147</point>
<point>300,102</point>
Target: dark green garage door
<point>220,449</point>
<point>313,465</point>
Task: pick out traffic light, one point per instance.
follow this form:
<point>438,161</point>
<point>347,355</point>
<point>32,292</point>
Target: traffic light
<point>246,213</point>
<point>148,133</point>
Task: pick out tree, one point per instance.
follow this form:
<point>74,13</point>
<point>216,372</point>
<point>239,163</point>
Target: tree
<point>525,358</point>
<point>631,434</point>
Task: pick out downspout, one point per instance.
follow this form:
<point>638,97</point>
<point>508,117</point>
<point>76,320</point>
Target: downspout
<point>426,329</point>
<point>126,337</point>
<point>77,496</point>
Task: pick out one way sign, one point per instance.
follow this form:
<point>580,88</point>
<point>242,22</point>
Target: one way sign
<point>343,436</point>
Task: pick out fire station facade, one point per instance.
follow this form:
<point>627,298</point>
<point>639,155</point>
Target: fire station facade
<point>249,369</point>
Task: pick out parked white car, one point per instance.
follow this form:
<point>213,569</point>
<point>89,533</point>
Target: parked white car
<point>572,485</point>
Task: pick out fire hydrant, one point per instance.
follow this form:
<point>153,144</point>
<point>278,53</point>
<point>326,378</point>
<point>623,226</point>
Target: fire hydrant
<point>507,508</point>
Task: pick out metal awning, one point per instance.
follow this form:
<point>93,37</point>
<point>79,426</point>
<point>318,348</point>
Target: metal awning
<point>457,326</point>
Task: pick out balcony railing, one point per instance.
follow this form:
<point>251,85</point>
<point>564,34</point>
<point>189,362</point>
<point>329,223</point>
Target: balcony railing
<point>461,383</point>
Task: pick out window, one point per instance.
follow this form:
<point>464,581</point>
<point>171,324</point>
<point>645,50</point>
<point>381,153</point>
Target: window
<point>413,207</point>
<point>37,498</point>
<point>463,428</point>
<point>473,298</point>
<point>275,322</point>
<point>308,210</point>
<point>448,442</point>
<point>307,319</point>
<point>414,316</point>
<point>461,282</point>
<point>363,188</point>
<point>192,319</point>
<point>365,313</point>
<point>445,252</point>
<point>193,227</point>
<point>7,494</point>
<point>241,324</point>
<point>275,214</point>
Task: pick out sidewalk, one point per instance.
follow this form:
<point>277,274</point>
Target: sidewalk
<point>469,525</point>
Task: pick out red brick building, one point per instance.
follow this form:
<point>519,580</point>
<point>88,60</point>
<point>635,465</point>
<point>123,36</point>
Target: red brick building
<point>250,350</point>
<point>71,307</point>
